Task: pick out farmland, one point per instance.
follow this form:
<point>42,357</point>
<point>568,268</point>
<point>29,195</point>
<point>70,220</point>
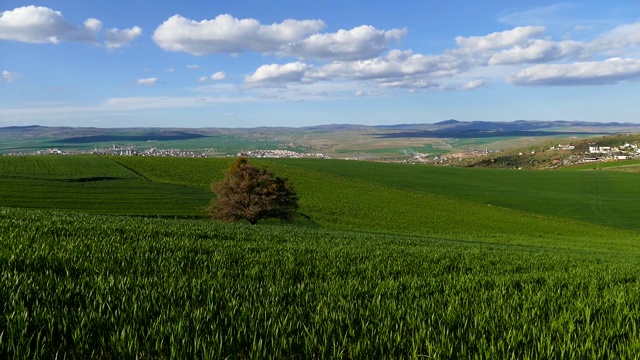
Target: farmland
<point>108,257</point>
<point>393,142</point>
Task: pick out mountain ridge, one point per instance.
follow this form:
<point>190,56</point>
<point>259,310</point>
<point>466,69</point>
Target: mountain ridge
<point>451,124</point>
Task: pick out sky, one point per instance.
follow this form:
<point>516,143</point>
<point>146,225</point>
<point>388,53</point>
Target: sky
<point>251,63</point>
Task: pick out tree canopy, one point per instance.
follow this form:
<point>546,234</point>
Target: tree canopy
<point>252,193</point>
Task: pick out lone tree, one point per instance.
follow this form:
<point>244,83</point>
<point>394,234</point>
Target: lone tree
<point>252,193</point>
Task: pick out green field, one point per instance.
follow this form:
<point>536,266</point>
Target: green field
<point>611,165</point>
<point>602,198</point>
<point>92,184</point>
<point>389,261</point>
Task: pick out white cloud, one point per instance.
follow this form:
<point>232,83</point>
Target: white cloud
<point>363,42</point>
<point>466,67</point>
<point>537,51</point>
<point>408,82</point>
<point>308,91</point>
<point>275,73</point>
<point>609,71</point>
<point>226,34</point>
<point>361,93</point>
<point>217,76</point>
<point>397,69</point>
<point>499,40</point>
<point>169,70</point>
<point>9,76</point>
<point>397,65</point>
<point>148,81</point>
<point>193,67</point>
<point>115,38</point>
<point>220,75</point>
<point>36,24</point>
<point>618,39</point>
<point>93,25</point>
<point>474,84</point>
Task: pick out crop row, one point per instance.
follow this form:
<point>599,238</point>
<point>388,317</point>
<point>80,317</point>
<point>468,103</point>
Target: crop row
<point>194,172</point>
<point>74,168</point>
<point>383,198</point>
<point>392,198</point>
<point>600,197</point>
<point>118,196</point>
<point>94,286</point>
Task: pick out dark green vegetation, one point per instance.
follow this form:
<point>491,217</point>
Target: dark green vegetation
<point>118,138</point>
<point>253,193</point>
<point>395,261</point>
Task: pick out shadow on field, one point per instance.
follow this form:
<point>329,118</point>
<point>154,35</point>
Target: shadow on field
<point>90,179</point>
<point>177,135</point>
<point>471,134</point>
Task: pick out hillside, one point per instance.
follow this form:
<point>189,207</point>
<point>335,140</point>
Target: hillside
<point>564,208</point>
<point>389,261</point>
<point>556,154</point>
<point>397,142</point>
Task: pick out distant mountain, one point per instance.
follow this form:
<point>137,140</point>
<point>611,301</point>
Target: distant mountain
<point>522,125</point>
<point>335,127</point>
<point>448,126</point>
<point>333,139</point>
<point>12,129</point>
<point>520,128</point>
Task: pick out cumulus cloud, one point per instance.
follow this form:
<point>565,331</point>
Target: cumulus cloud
<point>300,38</point>
<point>397,65</point>
<point>397,69</point>
<point>609,71</point>
<point>37,24</point>
<point>499,40</point>
<point>115,38</point>
<point>9,76</point>
<point>359,43</point>
<point>537,51</point>
<point>226,34</point>
<point>474,84</point>
<point>362,54</point>
<point>217,76</point>
<point>220,75</point>
<point>275,73</point>
<point>148,81</point>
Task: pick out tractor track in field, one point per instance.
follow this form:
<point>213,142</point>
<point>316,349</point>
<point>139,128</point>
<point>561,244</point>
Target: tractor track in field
<point>132,170</point>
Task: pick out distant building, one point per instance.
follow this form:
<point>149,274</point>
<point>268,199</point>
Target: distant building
<point>595,149</point>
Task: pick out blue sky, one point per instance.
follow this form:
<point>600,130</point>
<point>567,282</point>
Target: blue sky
<point>199,63</point>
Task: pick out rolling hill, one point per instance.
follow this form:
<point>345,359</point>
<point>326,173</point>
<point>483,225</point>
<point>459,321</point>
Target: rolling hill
<point>113,257</point>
